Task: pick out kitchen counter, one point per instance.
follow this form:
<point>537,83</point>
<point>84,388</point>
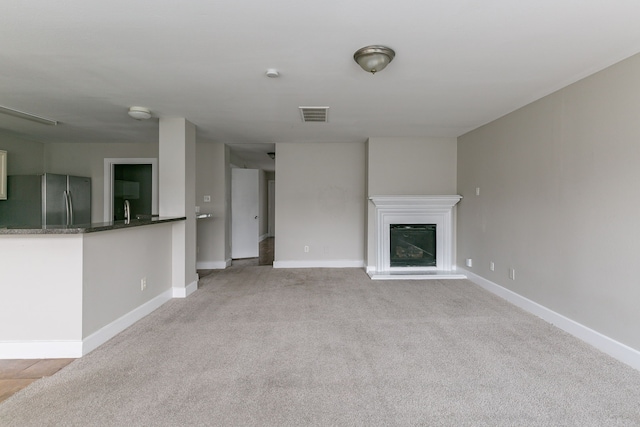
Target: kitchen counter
<point>67,290</point>
<point>86,228</point>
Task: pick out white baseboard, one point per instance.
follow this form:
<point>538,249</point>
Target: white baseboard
<point>109,331</point>
<point>340,263</point>
<point>76,349</point>
<point>213,265</point>
<point>613,348</point>
<point>185,292</point>
<point>40,349</point>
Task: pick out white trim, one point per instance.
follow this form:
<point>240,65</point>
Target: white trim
<point>213,265</point>
<point>109,331</point>
<point>76,349</point>
<point>108,182</point>
<point>179,292</point>
<point>613,348</point>
<point>263,237</point>
<point>271,207</point>
<point>339,263</point>
<point>40,349</point>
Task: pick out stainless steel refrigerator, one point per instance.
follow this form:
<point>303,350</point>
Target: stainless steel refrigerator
<point>48,199</point>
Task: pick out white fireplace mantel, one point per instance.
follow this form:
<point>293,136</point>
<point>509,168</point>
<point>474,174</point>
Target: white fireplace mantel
<point>436,210</point>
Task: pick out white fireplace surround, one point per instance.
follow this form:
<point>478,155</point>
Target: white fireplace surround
<point>436,210</point>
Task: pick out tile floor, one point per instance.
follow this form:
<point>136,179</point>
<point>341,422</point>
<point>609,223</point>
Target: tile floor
<point>16,374</point>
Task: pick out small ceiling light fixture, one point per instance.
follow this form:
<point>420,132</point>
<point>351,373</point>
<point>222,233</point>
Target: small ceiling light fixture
<point>140,113</point>
<point>273,73</point>
<point>374,58</point>
<point>27,116</point>
<point>272,155</point>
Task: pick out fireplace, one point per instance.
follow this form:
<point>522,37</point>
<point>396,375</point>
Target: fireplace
<point>413,237</point>
<point>412,245</point>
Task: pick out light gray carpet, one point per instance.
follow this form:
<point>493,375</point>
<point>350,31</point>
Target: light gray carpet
<point>261,347</point>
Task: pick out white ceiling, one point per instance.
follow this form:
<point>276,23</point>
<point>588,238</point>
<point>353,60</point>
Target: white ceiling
<point>459,64</point>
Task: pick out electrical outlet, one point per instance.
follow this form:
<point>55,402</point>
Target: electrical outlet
<point>143,283</point>
<point>306,248</point>
<point>492,266</point>
<point>512,273</point>
<point>469,262</point>
<point>207,199</point>
<point>477,191</point>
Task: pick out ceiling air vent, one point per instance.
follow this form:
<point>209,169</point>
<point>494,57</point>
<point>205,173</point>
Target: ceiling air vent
<point>314,114</point>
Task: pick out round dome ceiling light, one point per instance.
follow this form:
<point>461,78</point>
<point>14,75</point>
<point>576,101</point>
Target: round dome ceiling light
<point>273,73</point>
<point>140,113</point>
<point>374,58</point>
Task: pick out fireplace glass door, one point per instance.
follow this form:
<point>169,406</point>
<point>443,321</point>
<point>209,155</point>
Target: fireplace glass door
<point>412,245</point>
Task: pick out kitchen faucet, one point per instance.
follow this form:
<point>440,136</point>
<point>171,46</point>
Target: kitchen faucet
<point>127,212</point>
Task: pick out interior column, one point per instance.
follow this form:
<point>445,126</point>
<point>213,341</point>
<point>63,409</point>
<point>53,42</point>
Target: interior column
<point>177,189</point>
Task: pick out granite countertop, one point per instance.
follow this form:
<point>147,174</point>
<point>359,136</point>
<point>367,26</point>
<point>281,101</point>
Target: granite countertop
<point>86,228</point>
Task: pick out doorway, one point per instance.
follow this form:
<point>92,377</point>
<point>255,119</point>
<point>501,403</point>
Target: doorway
<point>114,206</point>
<point>132,183</point>
<point>244,213</point>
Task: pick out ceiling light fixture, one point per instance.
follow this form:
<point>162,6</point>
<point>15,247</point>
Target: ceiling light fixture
<point>374,58</point>
<point>140,113</point>
<point>272,155</point>
<point>273,73</point>
<point>27,116</point>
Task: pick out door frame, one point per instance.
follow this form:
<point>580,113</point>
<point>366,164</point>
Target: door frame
<point>245,230</point>
<point>109,167</point>
<point>271,212</point>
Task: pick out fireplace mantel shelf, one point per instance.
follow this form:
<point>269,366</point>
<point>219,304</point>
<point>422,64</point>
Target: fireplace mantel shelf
<point>417,201</point>
<point>434,209</point>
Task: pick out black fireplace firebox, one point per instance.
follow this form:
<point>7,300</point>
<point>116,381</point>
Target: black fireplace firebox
<point>413,245</point>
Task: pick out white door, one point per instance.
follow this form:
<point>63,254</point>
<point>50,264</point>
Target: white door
<point>272,208</point>
<point>244,213</point>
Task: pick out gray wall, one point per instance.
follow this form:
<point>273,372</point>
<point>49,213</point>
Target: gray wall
<point>111,288</point>
<point>320,203</point>
<point>24,157</point>
<point>559,201</point>
<point>411,166</point>
<point>408,166</point>
<point>211,180</point>
<point>29,157</point>
<point>88,160</point>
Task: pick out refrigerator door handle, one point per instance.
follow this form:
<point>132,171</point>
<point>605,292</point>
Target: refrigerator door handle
<point>69,206</point>
<point>70,198</point>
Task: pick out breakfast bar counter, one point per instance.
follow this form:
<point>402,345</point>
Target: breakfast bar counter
<point>68,289</point>
<point>86,228</point>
